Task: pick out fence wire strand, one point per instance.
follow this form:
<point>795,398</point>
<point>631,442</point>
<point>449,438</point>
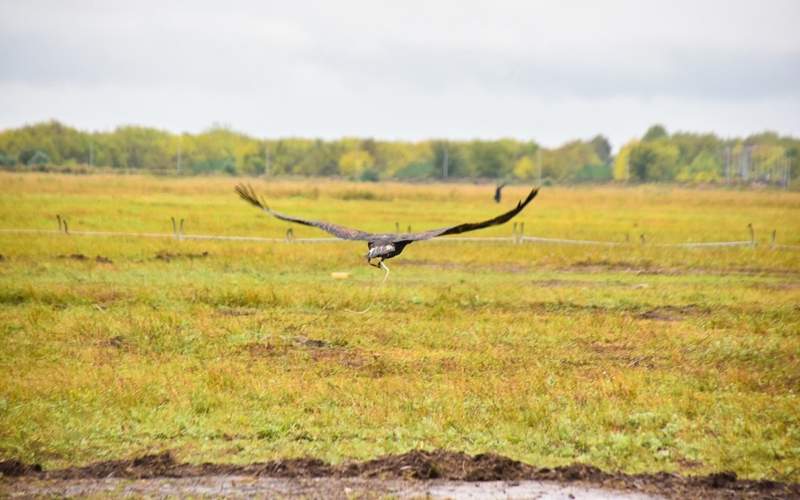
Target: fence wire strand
<point>518,239</point>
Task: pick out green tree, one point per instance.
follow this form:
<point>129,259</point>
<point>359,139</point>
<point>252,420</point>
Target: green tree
<point>493,159</point>
<point>691,145</point>
<point>321,159</point>
<point>653,161</point>
<point>601,172</point>
<point>7,160</point>
<point>399,155</point>
<point>655,132</point>
<point>621,170</point>
<point>38,158</point>
<point>563,163</point>
<point>454,155</point>
<point>793,158</point>
<point>525,168</point>
<point>353,163</point>
<point>142,148</point>
<point>602,148</point>
<point>705,167</point>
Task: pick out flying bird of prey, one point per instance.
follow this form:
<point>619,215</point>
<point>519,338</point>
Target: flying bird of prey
<point>497,192</point>
<point>383,246</point>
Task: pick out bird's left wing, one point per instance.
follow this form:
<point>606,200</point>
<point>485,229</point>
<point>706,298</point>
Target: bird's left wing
<point>471,226</point>
<point>249,195</point>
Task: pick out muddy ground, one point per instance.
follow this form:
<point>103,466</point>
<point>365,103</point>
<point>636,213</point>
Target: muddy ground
<point>410,474</point>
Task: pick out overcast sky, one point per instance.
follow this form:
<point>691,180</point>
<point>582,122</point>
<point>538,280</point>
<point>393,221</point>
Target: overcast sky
<point>543,70</point>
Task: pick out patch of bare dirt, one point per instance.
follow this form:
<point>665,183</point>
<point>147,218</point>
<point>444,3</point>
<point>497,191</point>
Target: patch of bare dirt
<point>320,351</point>
<point>168,256</point>
<point>74,256</point>
<point>259,350</point>
<point>312,343</point>
<point>673,313</point>
<point>81,257</point>
<point>422,466</point>
<point>364,363</point>
<point>15,468</point>
<point>440,465</point>
<point>116,342</point>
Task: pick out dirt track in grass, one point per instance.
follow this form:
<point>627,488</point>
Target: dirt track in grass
<point>402,474</point>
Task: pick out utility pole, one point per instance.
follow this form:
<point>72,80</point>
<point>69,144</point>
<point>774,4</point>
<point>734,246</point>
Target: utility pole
<point>91,153</point>
<point>444,164</point>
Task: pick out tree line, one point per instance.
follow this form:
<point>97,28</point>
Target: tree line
<point>655,157</point>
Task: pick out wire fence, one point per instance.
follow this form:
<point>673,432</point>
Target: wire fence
<point>517,237</point>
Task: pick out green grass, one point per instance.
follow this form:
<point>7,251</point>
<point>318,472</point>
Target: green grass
<point>635,358</point>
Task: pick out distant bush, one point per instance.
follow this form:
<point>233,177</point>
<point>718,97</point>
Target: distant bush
<point>358,194</point>
<point>7,160</point>
<point>370,175</point>
<point>224,165</point>
<point>416,171</point>
<point>594,173</point>
<point>39,158</point>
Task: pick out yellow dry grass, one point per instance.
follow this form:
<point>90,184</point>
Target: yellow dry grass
<point>638,358</point>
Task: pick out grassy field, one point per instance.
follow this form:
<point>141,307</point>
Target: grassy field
<point>634,358</point>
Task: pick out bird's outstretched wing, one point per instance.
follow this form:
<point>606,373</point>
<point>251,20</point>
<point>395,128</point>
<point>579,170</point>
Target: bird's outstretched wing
<point>470,226</point>
<point>249,195</point>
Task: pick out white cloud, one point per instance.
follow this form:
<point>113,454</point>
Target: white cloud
<point>541,70</point>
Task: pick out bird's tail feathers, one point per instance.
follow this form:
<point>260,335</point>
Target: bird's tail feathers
<point>248,194</point>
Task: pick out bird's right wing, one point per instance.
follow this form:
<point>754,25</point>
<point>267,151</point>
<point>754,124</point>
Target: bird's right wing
<point>249,195</point>
<point>470,226</point>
